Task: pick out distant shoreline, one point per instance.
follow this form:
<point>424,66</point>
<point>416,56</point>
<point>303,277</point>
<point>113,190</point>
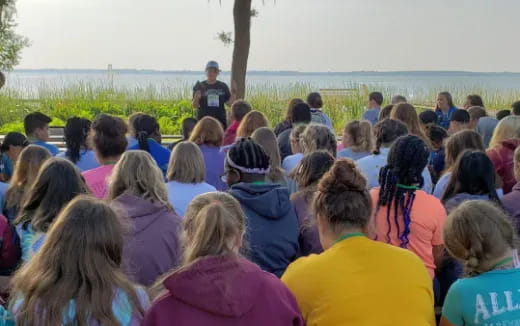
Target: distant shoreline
<point>280,73</point>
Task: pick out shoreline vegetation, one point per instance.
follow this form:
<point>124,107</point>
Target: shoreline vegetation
<point>170,105</point>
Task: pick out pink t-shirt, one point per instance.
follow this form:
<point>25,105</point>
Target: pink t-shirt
<point>427,221</point>
<point>97,180</point>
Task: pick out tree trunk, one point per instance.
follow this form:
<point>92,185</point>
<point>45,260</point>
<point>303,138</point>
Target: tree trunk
<point>242,20</point>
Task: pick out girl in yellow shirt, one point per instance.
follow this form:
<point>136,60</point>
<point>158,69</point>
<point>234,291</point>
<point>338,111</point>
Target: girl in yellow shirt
<point>357,281</point>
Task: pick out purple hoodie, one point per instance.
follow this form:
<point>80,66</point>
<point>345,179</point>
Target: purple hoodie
<point>511,203</point>
<point>152,245</point>
<point>222,291</point>
<point>309,236</point>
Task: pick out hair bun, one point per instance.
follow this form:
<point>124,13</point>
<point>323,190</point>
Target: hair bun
<point>343,176</point>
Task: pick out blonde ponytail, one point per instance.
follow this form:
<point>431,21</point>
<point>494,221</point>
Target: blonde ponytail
<point>214,225</point>
<point>210,232</point>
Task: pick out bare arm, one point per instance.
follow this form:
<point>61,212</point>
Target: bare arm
<point>438,255</point>
<point>445,322</point>
<point>196,99</point>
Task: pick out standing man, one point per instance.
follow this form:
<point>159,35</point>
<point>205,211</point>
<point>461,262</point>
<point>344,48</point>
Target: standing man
<point>210,96</point>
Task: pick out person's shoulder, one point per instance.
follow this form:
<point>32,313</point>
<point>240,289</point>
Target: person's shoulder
<point>222,84</point>
<point>464,284</point>
<point>97,171</point>
<point>207,187</point>
<point>366,161</point>
<point>53,148</point>
<point>344,152</point>
<point>400,256</point>
<point>303,269</point>
<point>512,199</point>
<point>428,199</point>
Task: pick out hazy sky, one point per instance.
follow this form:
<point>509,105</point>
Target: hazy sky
<point>304,35</point>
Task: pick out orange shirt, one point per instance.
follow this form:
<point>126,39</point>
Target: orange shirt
<point>427,220</point>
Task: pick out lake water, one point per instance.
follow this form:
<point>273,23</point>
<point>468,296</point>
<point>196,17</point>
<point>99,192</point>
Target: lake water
<point>30,81</point>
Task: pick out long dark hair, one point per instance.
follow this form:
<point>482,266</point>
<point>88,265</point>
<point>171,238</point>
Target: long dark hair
<point>399,180</point>
<point>145,127</point>
<point>387,131</point>
<point>311,169</point>
<point>474,174</point>
<point>57,183</point>
<point>76,135</point>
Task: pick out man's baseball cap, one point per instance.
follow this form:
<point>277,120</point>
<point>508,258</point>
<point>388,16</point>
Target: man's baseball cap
<point>212,65</point>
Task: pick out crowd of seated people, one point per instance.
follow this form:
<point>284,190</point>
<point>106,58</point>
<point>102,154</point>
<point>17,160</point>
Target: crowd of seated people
<point>408,217</point>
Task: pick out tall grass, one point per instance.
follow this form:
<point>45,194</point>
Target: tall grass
<point>171,105</point>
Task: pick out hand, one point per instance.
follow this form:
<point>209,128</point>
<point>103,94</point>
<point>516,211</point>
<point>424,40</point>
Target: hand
<point>197,96</point>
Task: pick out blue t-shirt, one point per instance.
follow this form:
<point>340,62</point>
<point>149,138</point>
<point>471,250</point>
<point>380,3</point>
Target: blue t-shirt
<point>318,116</point>
<point>131,142</point>
<point>87,160</point>
<point>160,154</point>
<point>30,241</point>
<point>371,115</point>
<point>490,299</point>
<point>121,308</point>
<point>6,319</point>
<point>3,190</point>
<point>53,149</point>
<point>443,120</point>
<point>349,153</point>
<point>291,162</point>
<point>6,166</point>
<point>180,195</point>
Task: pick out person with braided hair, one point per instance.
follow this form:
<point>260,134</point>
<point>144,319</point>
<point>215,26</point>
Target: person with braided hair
<point>357,281</point>
<point>406,216</point>
<point>483,238</point>
<point>387,132</point>
<point>149,139</point>
<point>272,230</point>
<point>78,151</point>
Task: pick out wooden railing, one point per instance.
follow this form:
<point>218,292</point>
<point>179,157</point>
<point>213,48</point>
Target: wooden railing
<point>60,142</point>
